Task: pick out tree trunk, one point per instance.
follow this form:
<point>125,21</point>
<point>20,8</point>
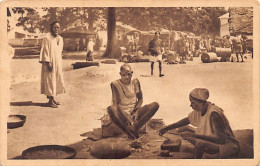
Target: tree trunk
<point>53,15</point>
<point>91,19</point>
<point>112,50</point>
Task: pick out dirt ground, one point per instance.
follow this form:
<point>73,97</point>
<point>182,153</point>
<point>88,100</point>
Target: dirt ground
<point>88,94</point>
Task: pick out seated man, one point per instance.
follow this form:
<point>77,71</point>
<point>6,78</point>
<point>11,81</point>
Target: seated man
<point>213,137</point>
<point>126,110</point>
<point>172,58</point>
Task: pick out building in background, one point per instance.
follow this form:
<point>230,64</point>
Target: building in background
<point>76,38</point>
<point>224,25</point>
<point>19,37</point>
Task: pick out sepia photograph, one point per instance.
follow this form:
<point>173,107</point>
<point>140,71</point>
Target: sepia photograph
<point>102,83</point>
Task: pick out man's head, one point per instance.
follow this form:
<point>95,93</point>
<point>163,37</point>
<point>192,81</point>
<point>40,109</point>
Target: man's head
<point>156,34</point>
<point>198,98</point>
<point>55,28</point>
<point>126,73</point>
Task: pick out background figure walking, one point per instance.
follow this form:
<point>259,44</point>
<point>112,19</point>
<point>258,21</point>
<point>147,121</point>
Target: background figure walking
<point>51,59</point>
<point>155,52</point>
<point>90,50</point>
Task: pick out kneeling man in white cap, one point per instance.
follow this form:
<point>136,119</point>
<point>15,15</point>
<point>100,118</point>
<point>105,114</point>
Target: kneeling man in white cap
<point>213,136</point>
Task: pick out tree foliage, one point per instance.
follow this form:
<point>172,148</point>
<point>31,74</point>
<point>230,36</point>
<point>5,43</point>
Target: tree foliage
<point>196,20</point>
<point>199,20</point>
<point>31,20</point>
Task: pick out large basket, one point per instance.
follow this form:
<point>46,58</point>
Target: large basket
<point>49,152</point>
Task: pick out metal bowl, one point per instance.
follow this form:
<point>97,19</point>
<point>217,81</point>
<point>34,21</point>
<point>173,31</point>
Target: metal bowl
<point>49,152</point>
<point>15,121</point>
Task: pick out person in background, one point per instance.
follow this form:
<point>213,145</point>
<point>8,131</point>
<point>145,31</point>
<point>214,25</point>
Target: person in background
<point>238,47</point>
<point>172,58</point>
<point>197,47</point>
<point>155,52</point>
<point>213,136</point>
<point>201,45</point>
<point>244,38</point>
<point>182,49</point>
<point>90,50</point>
<point>77,43</point>
<point>52,82</point>
<point>207,43</point>
<point>187,45</point>
<point>227,43</point>
<point>192,47</point>
<point>126,110</point>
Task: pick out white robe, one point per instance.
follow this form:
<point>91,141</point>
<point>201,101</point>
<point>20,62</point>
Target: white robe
<point>90,46</point>
<point>52,81</point>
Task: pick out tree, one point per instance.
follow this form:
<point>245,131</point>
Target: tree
<point>71,16</point>
<point>191,19</point>
<point>93,14</point>
<point>29,18</point>
<point>112,49</point>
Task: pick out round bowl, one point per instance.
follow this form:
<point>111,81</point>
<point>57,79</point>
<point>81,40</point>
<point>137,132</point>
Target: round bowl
<point>15,121</point>
<point>49,152</point>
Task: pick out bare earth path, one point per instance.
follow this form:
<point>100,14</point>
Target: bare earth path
<point>88,94</point>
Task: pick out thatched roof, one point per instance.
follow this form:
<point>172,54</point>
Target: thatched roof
<point>241,20</point>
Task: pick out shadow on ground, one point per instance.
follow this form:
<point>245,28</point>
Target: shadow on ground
<point>28,103</point>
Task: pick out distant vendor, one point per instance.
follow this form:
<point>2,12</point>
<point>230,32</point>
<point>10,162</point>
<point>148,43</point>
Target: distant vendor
<point>213,137</point>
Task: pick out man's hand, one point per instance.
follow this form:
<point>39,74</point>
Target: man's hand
<point>162,131</point>
<point>49,65</point>
<point>186,134</point>
<point>134,116</point>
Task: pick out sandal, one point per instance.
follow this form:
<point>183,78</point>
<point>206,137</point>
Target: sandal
<point>51,98</point>
<point>52,104</point>
<point>56,102</point>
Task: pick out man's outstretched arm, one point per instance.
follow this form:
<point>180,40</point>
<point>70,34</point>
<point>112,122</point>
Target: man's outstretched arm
<point>180,123</point>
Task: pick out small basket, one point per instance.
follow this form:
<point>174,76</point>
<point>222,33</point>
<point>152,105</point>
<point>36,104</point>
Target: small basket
<point>15,121</point>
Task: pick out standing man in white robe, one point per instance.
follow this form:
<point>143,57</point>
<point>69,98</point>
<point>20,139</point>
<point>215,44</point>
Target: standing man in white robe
<point>51,59</point>
<point>90,50</point>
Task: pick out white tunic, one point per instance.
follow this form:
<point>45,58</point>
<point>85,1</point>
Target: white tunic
<point>52,81</point>
<point>127,94</point>
<point>90,46</point>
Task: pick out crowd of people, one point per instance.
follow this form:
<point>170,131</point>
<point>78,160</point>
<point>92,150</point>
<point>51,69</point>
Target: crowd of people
<point>188,47</point>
